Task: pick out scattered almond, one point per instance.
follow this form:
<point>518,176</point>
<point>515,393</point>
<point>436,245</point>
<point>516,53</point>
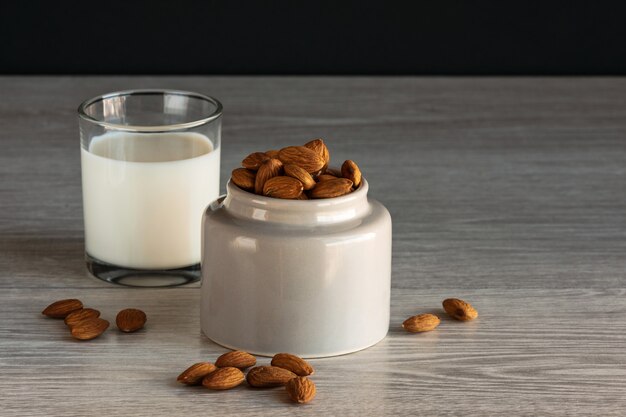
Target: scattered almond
<point>60,309</point>
<point>301,389</point>
<point>301,175</point>
<point>459,309</point>
<point>196,373</point>
<point>351,171</point>
<point>77,316</point>
<point>283,187</point>
<point>243,178</point>
<point>292,363</point>
<point>223,378</point>
<point>421,323</point>
<point>331,188</point>
<point>268,376</point>
<point>236,359</point>
<point>130,320</point>
<point>305,158</point>
<point>269,169</point>
<point>89,329</point>
<point>254,160</point>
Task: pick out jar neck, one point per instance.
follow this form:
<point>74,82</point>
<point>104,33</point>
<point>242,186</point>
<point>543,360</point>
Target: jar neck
<point>307,213</point>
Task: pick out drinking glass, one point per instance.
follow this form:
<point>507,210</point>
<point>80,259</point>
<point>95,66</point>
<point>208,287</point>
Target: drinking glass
<point>150,162</point>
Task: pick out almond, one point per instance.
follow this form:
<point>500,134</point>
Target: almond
<point>301,389</point>
<point>283,187</point>
<point>268,376</point>
<point>305,158</point>
<point>272,153</point>
<point>223,378</point>
<point>421,323</point>
<point>331,188</point>
<point>89,329</point>
<point>60,309</point>
<point>351,171</point>
<point>292,363</point>
<point>196,373</point>
<point>303,196</point>
<point>243,178</point>
<point>320,148</point>
<point>130,320</point>
<point>254,160</point>
<point>459,309</point>
<point>269,169</point>
<point>77,316</point>
<point>301,175</point>
<point>325,177</point>
<point>236,359</point>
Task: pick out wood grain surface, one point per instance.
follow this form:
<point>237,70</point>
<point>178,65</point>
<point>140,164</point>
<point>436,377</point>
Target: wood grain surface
<point>507,192</point>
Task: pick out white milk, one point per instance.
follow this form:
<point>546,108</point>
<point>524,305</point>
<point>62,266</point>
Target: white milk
<point>144,195</point>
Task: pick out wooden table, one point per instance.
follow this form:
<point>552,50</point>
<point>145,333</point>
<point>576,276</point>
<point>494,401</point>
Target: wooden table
<point>507,192</point>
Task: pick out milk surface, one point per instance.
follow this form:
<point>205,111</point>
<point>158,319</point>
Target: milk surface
<point>144,195</point>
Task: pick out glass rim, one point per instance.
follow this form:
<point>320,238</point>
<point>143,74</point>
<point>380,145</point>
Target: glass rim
<point>151,128</point>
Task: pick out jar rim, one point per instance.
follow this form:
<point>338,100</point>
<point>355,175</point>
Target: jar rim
<point>303,213</point>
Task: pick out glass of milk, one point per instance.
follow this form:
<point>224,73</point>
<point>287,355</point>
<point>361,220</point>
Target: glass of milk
<point>150,166</point>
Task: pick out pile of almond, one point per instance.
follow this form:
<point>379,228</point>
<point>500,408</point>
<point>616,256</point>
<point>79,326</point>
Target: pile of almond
<point>86,324</point>
<point>454,307</point>
<point>297,173</point>
<point>285,370</point>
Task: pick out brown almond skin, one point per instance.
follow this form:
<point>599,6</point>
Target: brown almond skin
<point>196,373</point>
<point>60,309</point>
<point>305,158</point>
<point>319,146</point>
<point>292,363</point>
<point>331,188</point>
<point>325,177</point>
<point>459,309</point>
<point>79,315</point>
<point>268,376</point>
<point>130,320</point>
<point>254,160</point>
<point>223,378</point>
<point>301,175</point>
<point>283,187</point>
<point>273,153</point>
<point>269,169</point>
<point>89,329</point>
<point>243,178</point>
<point>351,171</point>
<point>301,389</point>
<point>421,323</point>
<point>236,359</point>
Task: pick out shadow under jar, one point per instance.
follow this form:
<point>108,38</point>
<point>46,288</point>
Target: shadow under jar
<point>150,162</point>
<point>309,277</point>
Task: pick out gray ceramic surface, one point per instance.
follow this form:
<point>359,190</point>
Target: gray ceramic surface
<point>306,277</point>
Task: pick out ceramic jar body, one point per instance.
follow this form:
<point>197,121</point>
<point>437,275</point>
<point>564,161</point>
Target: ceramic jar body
<point>306,277</point>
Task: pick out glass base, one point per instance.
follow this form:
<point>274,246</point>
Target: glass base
<point>142,277</point>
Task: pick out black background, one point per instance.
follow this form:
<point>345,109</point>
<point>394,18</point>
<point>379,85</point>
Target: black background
<point>311,37</point>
